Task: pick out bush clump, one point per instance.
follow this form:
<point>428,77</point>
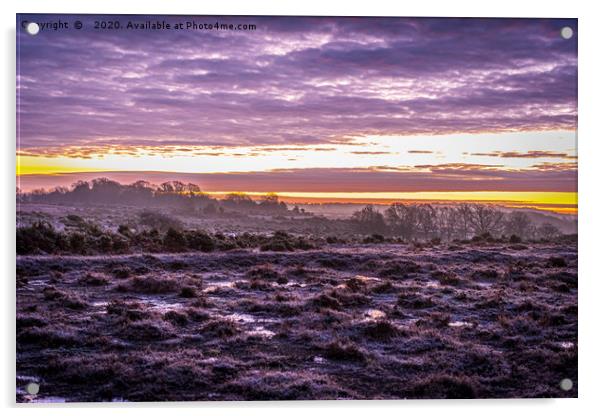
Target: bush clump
<point>174,240</point>
<point>199,240</point>
<point>40,237</point>
<point>381,330</point>
<point>344,351</point>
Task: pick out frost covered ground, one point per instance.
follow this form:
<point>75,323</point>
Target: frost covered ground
<point>377,321</point>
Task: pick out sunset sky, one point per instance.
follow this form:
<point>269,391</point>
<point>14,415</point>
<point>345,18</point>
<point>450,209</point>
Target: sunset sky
<point>365,108</point>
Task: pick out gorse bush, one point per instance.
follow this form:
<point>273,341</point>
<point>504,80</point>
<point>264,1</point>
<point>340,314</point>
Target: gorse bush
<point>40,237</point>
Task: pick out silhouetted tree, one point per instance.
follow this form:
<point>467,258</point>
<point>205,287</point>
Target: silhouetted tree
<point>547,231</point>
<point>369,220</point>
<point>402,220</point>
<point>518,224</point>
<point>486,219</point>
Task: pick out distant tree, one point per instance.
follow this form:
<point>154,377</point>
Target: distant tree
<point>192,189</point>
<point>80,192</point>
<point>369,220</point>
<point>547,231</point>
<point>447,222</point>
<point>403,220</point>
<point>518,223</point>
<point>104,190</point>
<point>486,219</point>
<point>427,221</point>
<point>463,215</point>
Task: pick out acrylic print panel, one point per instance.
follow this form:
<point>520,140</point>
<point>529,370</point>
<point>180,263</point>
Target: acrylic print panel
<point>295,208</point>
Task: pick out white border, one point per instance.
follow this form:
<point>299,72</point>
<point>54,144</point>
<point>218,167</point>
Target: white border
<point>590,232</point>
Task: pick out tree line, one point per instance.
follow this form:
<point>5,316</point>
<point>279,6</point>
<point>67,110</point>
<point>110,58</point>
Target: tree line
<point>186,197</point>
<point>463,221</point>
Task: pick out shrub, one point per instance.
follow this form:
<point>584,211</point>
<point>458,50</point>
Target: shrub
<point>221,328</point>
<point>154,285</point>
<point>266,272</point>
<point>40,237</point>
<point>344,351</point>
<point>68,300</point>
<point>120,245</point>
<point>121,272</point>
<point>124,230</point>
<point>174,240</point>
<point>398,268</point>
<point>199,240</point>
<point>415,301</point>
<point>77,243</point>
<point>324,300</point>
<point>176,318</point>
<point>556,262</point>
<point>381,330</point>
<point>514,239</point>
<point>93,279</point>
<point>146,330</point>
<point>374,239</point>
<point>188,292</point>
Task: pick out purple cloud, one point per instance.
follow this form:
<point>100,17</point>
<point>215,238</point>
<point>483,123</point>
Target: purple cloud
<point>293,81</point>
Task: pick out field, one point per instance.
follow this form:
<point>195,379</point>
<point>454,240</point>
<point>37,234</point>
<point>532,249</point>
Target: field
<point>473,319</point>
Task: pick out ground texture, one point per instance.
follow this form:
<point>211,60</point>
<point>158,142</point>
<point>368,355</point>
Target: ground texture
<point>376,321</point>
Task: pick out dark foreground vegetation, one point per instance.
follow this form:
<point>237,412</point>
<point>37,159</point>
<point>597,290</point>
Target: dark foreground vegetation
<point>467,319</point>
<point>152,231</point>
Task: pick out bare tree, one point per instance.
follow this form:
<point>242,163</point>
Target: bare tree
<point>547,231</point>
<point>518,223</point>
<point>463,214</point>
<point>403,220</point>
<point>486,219</point>
<point>447,222</point>
<point>369,220</point>
<point>427,221</point>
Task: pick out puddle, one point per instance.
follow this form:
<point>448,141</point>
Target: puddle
<point>295,284</point>
<point>406,323</point>
<point>261,332</point>
<point>37,283</point>
<point>219,285</point>
<point>367,278</point>
<point>47,399</point>
<point>27,379</point>
<point>319,360</point>
<point>460,324</point>
<point>246,318</point>
<point>374,314</point>
<point>160,304</point>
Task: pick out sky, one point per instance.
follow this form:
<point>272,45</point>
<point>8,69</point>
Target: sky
<point>409,108</point>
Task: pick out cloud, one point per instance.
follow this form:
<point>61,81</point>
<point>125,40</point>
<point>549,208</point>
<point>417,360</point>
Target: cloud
<point>371,153</point>
<point>292,82</point>
<point>531,154</point>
